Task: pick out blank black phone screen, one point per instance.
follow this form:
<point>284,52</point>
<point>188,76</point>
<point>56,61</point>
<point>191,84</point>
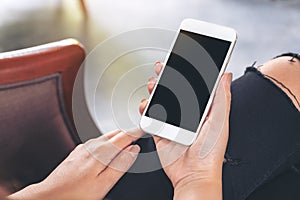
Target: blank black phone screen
<point>188,79</point>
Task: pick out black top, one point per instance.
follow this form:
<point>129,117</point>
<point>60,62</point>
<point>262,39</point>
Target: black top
<point>263,151</point>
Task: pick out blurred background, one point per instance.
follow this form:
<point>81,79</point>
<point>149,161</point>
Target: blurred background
<point>265,27</point>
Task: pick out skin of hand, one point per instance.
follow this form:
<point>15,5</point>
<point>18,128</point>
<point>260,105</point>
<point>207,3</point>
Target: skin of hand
<point>90,171</point>
<point>193,176</point>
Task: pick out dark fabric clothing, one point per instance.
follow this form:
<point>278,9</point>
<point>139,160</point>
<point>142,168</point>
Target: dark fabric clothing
<point>264,141</point>
<point>263,152</point>
<point>151,185</point>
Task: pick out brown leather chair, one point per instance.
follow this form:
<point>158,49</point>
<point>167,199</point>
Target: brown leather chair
<point>36,127</point>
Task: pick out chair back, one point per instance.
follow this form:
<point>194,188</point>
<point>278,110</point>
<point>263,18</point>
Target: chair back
<point>36,124</point>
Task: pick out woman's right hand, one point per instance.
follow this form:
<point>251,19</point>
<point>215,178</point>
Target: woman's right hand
<point>196,173</point>
<point>89,172</point>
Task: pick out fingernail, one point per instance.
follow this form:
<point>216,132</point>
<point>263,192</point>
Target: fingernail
<point>151,79</point>
<point>143,100</point>
<point>134,150</point>
<point>158,67</point>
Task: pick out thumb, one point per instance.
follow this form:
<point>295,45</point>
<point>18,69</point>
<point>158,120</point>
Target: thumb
<point>215,128</point>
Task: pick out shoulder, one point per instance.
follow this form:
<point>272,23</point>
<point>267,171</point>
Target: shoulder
<point>285,72</point>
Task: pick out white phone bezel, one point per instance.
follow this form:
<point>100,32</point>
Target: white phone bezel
<point>172,132</point>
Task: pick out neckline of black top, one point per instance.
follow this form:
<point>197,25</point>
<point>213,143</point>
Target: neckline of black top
<point>290,101</point>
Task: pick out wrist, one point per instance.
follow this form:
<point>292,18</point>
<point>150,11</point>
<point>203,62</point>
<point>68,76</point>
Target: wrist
<point>32,192</point>
<point>194,187</point>
<point>211,175</point>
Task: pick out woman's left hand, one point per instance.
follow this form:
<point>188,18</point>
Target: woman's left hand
<point>196,171</point>
<point>90,171</point>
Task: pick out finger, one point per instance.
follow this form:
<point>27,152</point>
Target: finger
<point>225,77</point>
<point>142,106</point>
<point>215,128</point>
<point>125,138</point>
<point>105,152</point>
<point>156,139</point>
<point>228,92</point>
<point>218,104</point>
<point>93,143</point>
<point>111,134</point>
<point>223,87</point>
<point>116,169</point>
<point>158,67</point>
<point>223,95</point>
<point>151,84</point>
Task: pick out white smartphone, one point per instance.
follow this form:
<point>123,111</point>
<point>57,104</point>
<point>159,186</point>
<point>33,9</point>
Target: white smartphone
<point>185,88</point>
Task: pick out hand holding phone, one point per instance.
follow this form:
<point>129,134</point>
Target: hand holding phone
<point>196,171</point>
<point>184,91</point>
